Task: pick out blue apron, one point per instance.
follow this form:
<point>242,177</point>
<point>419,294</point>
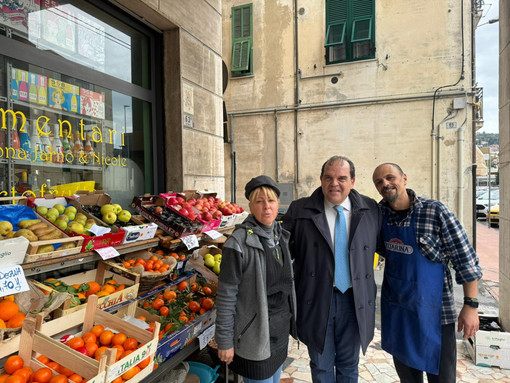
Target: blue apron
<point>411,300</point>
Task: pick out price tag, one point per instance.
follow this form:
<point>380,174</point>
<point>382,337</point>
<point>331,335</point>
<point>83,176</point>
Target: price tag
<point>108,252</point>
<point>206,336</point>
<point>190,241</point>
<point>213,234</point>
<point>12,281</point>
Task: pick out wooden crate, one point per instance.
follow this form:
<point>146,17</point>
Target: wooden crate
<point>105,370</point>
<point>105,270</point>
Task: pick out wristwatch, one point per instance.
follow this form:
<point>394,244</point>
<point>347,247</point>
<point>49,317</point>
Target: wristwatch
<point>473,302</point>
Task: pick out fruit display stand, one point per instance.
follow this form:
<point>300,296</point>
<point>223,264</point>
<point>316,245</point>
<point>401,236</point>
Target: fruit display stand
<point>197,260</point>
<point>104,271</point>
<point>106,370</point>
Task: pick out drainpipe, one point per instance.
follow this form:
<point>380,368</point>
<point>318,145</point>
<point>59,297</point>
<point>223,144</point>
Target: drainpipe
<point>277,147</point>
<point>460,187</point>
<point>296,126</point>
<point>233,162</point>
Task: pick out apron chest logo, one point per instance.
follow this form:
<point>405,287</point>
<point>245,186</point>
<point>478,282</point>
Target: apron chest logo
<point>398,246</point>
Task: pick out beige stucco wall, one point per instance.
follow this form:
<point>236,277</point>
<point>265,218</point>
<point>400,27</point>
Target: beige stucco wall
<point>192,59</point>
<point>504,153</point>
<point>382,108</point>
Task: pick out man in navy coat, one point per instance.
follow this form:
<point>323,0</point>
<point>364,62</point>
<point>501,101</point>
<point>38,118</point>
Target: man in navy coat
<point>334,324</point>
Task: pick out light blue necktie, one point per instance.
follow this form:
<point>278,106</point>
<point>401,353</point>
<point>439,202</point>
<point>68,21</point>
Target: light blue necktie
<point>342,273</point>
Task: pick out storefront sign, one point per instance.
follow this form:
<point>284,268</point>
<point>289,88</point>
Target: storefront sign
<point>12,281</point>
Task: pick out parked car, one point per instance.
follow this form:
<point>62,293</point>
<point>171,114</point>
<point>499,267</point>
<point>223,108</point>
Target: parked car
<point>494,216</point>
<point>482,203</point>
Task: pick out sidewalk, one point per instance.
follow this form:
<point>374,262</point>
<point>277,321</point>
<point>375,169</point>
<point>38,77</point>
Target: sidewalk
<point>377,365</point>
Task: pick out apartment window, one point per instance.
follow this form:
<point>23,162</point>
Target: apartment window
<point>242,40</point>
<point>349,30</point>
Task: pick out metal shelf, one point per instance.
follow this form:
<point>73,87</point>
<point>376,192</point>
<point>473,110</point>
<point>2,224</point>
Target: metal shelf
<point>43,266</point>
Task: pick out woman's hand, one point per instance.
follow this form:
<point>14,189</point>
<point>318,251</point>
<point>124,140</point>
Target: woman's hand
<point>226,355</point>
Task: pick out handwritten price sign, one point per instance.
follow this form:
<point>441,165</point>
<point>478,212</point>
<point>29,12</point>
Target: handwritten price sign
<point>12,281</point>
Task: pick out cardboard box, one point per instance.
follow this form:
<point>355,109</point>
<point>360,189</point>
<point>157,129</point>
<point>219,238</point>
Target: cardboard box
<point>114,238</point>
<point>199,194</point>
<point>490,348</point>
<point>197,260</point>
<point>104,271</point>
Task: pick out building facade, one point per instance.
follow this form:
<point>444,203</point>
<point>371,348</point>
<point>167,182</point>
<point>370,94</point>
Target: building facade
<point>374,81</point>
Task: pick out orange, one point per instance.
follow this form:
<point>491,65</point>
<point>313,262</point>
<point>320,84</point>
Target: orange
<point>131,372</point>
<point>99,351</point>
<point>81,296</point>
<point>183,319</point>
<point>158,303</point>
<point>91,348</point>
<point>97,330</point>
<point>106,338</point>
<point>144,363</point>
<point>112,282</point>
<point>103,293</point>
<point>117,380</point>
<point>53,365</point>
<point>3,378</point>
<point>44,359</point>
<point>130,344</point>
<point>16,321</point>
<point>94,287</point>
<point>76,286</point>
<point>76,378</point>
<point>108,288</point>
<point>89,337</point>
<point>16,379</point>
<point>207,290</point>
<point>164,311</point>
<point>65,371</point>
<point>75,342</point>
<point>8,309</point>
<point>126,353</point>
<point>13,363</point>
<point>169,295</point>
<point>25,372</point>
<point>59,379</point>
<point>42,375</point>
<point>120,287</point>
<point>119,338</point>
<point>2,324</point>
<point>141,317</point>
<point>182,286</point>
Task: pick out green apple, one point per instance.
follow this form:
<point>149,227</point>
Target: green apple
<point>107,208</point>
<point>76,227</point>
<point>80,216</point>
<point>217,258</point>
<point>51,217</point>
<point>61,224</point>
<point>124,216</point>
<point>117,207</point>
<point>71,209</point>
<point>209,260</point>
<point>53,211</point>
<point>109,217</point>
<point>87,226</point>
<point>90,222</point>
<point>63,217</point>
<point>216,268</point>
<point>60,208</point>
<point>70,215</point>
<point>42,210</point>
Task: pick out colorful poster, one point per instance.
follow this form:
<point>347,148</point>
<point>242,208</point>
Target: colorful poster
<point>15,13</point>
<point>92,103</point>
<point>58,26</point>
<point>63,96</point>
<point>90,40</point>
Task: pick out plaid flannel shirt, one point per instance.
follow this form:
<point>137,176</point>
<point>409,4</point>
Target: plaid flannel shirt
<point>441,239</point>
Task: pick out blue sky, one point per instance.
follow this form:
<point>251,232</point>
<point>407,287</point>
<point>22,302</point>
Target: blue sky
<point>487,56</point>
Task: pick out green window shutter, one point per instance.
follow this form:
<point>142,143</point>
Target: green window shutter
<point>241,55</point>
<point>335,34</point>
<point>242,39</point>
<point>362,16</point>
<point>336,11</point>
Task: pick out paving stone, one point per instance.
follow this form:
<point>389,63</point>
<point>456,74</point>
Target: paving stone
<point>301,376</point>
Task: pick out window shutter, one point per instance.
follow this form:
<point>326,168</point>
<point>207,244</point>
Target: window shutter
<point>241,22</point>
<point>236,23</point>
<point>362,16</point>
<point>336,11</point>
<point>241,55</point>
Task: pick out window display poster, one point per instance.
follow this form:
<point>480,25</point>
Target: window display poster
<point>92,103</point>
<point>15,13</point>
<point>63,96</point>
<point>58,26</point>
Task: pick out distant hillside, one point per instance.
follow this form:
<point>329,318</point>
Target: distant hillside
<point>485,139</point>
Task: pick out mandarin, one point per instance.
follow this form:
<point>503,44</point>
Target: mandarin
<point>75,342</point>
<point>59,379</point>
<point>42,375</point>
<point>75,378</point>
<point>131,372</point>
<point>130,344</point>
<point>16,379</point>
<point>97,330</point>
<point>119,338</point>
<point>8,309</point>
<point>13,363</point>
<point>106,337</point>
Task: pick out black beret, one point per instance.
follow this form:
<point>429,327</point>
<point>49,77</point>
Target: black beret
<point>258,182</point>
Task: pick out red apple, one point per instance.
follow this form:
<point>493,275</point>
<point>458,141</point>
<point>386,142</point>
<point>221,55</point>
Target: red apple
<point>172,201</point>
<point>198,206</point>
<point>217,214</point>
<point>206,216</point>
<point>184,212</point>
<point>192,201</point>
<point>180,200</point>
<point>186,205</point>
